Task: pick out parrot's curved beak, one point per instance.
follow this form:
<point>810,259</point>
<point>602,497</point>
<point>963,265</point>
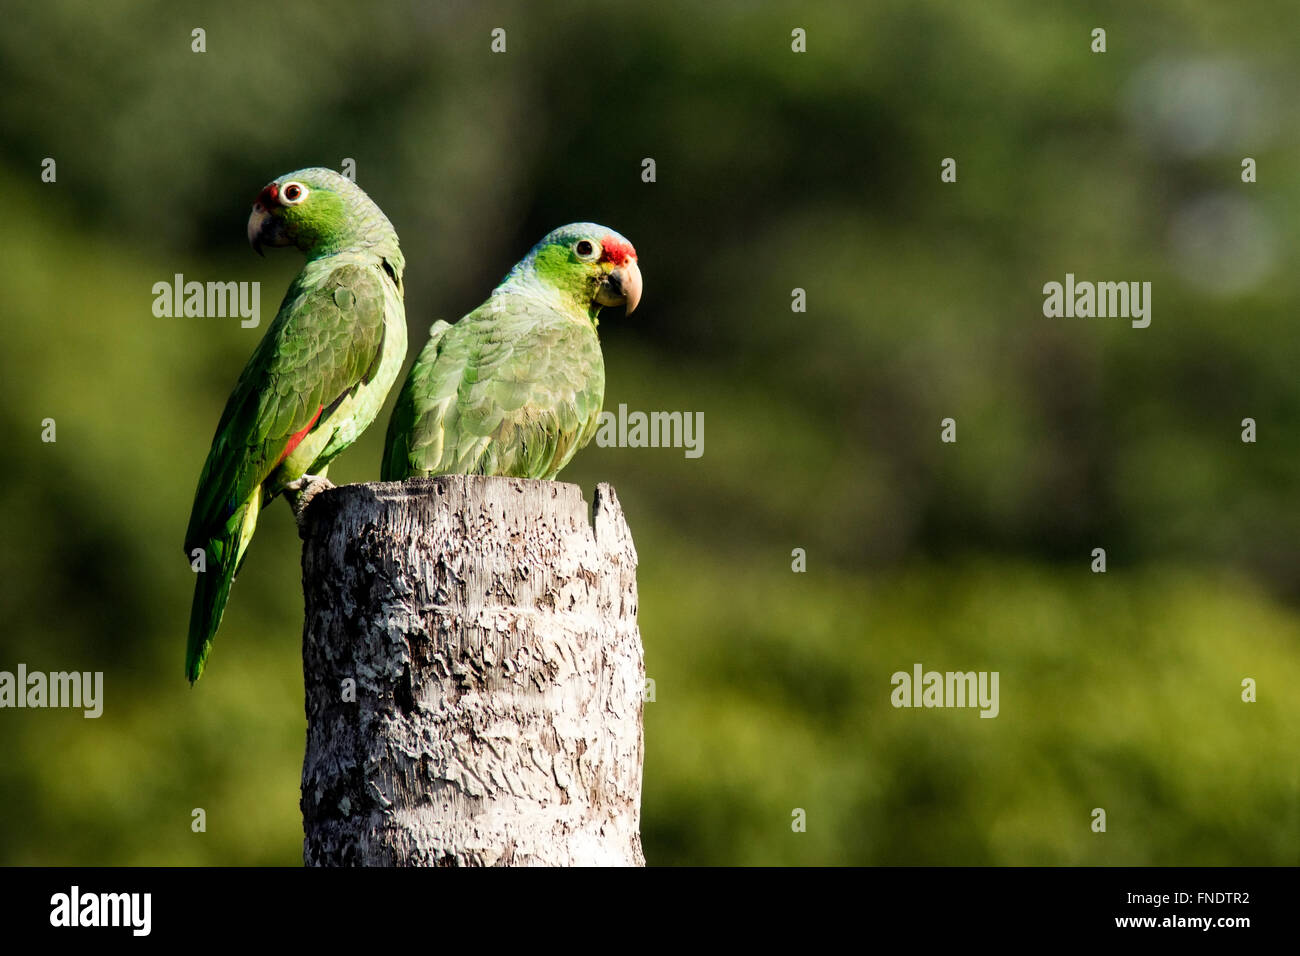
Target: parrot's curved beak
<point>622,286</point>
<point>256,223</point>
<point>265,229</point>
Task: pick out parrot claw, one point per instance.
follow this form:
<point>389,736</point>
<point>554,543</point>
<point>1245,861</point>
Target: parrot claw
<point>304,490</point>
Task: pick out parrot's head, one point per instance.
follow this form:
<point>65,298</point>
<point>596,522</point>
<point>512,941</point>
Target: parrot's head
<point>316,210</point>
<point>592,264</point>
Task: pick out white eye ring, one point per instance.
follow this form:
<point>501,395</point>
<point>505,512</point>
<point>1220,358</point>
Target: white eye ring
<point>300,193</point>
<point>593,250</point>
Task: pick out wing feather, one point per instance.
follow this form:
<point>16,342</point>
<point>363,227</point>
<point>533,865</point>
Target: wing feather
<point>514,388</point>
<point>322,343</point>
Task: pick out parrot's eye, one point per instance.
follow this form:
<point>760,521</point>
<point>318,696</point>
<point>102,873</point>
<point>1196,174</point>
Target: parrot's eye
<point>293,193</point>
<point>585,249</point>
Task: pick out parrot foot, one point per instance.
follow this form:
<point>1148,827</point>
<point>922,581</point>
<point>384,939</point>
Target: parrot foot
<point>304,490</point>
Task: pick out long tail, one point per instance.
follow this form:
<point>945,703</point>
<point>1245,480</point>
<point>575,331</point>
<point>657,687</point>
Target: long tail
<point>225,553</point>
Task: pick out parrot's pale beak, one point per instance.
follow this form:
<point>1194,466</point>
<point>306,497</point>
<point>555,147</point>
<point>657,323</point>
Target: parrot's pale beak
<point>622,287</point>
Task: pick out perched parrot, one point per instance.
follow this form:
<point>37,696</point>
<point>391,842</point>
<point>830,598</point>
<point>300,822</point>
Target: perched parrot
<point>515,387</point>
<point>315,382</point>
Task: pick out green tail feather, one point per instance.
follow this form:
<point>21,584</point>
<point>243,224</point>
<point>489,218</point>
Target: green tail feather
<point>212,587</point>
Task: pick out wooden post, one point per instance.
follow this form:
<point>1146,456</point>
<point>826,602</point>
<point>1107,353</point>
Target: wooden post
<point>474,676</point>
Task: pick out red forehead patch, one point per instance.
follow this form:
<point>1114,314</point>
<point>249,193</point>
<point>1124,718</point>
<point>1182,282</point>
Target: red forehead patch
<point>269,196</point>
<point>617,251</point>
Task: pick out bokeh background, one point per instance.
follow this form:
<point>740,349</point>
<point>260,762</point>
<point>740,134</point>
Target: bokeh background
<point>774,171</point>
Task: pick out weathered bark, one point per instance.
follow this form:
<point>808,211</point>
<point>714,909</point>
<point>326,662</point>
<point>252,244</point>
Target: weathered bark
<point>491,632</point>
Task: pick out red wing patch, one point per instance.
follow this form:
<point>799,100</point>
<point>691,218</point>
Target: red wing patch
<point>296,439</point>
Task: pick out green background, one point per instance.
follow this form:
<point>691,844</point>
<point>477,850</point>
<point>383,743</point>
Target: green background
<point>775,170</point>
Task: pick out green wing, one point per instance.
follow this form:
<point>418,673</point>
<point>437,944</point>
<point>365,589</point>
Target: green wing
<point>397,442</point>
<point>513,389</point>
<point>325,340</point>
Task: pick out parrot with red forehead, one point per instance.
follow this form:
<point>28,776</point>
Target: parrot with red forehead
<point>515,387</point>
<point>315,382</point>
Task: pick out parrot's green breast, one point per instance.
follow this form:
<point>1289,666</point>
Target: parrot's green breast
<point>358,408</point>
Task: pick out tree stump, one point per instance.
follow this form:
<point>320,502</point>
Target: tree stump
<point>491,633</point>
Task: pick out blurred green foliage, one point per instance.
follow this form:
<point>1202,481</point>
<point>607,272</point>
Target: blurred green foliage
<point>775,171</point>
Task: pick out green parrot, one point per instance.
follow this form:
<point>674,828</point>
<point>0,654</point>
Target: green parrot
<point>315,382</point>
<point>515,387</point>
